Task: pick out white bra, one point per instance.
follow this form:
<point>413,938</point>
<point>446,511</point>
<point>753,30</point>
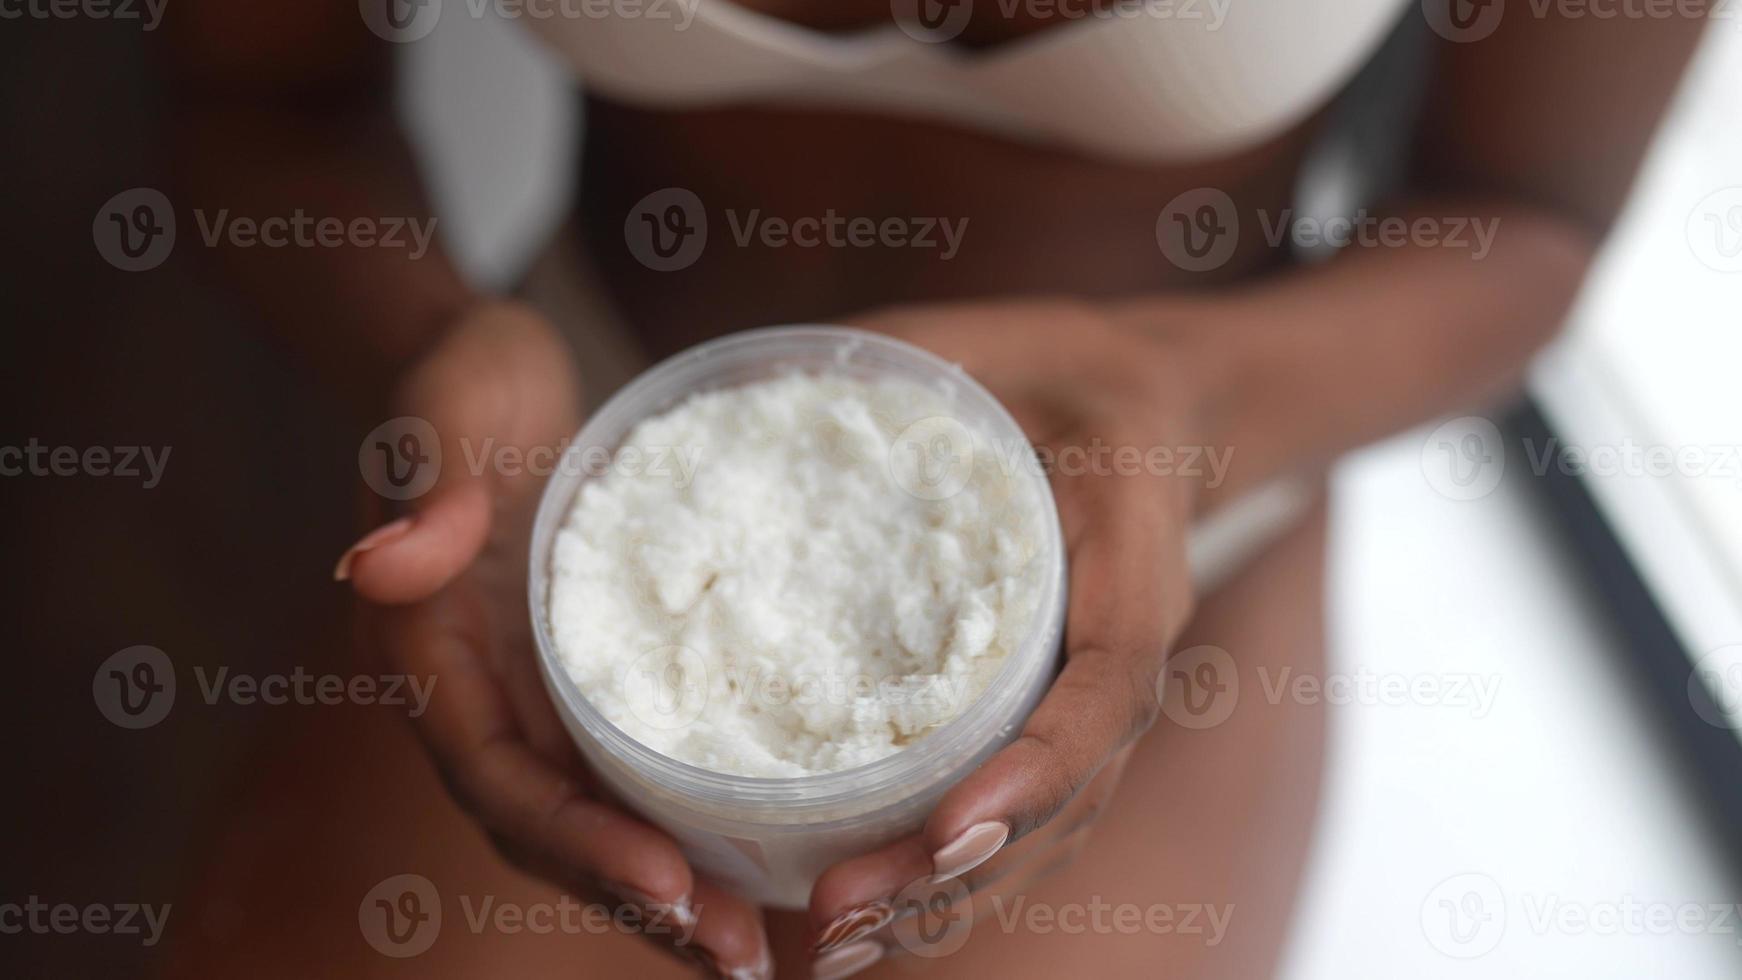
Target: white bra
<point>1161,80</point>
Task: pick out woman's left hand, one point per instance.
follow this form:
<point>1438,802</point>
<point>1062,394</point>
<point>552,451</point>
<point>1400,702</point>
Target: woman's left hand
<point>1091,390</point>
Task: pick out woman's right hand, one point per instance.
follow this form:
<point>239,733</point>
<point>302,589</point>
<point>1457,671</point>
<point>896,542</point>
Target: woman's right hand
<point>444,590</point>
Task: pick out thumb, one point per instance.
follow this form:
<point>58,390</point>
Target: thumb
<point>498,380</point>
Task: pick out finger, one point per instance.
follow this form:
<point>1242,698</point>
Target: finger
<point>521,797</point>
<point>1129,596</point>
<point>854,898</point>
<point>411,558</point>
<point>472,732</point>
<point>726,935</point>
<point>501,382</point>
<point>713,928</point>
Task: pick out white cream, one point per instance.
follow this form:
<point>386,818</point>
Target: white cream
<point>798,603</point>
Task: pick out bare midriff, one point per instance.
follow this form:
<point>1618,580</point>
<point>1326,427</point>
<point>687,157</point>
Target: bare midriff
<point>1031,218</point>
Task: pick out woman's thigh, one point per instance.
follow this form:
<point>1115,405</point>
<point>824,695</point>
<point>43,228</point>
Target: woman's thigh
<point>1191,868</point>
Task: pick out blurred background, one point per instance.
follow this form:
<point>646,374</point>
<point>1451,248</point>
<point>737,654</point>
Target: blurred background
<point>1574,787</point>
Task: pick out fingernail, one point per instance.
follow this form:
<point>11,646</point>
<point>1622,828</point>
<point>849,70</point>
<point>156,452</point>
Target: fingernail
<point>970,850</point>
<point>846,961</point>
<point>762,969</point>
<point>854,924</point>
<point>681,913</point>
<point>374,539</point>
<point>632,896</point>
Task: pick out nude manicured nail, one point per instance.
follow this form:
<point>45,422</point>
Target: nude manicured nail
<point>970,850</point>
<point>854,924</point>
<point>762,969</point>
<point>374,539</point>
<point>681,913</point>
<point>710,967</point>
<point>846,961</point>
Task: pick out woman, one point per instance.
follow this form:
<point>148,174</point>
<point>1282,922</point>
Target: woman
<point>1094,168</point>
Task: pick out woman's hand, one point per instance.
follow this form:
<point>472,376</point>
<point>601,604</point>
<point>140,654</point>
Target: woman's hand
<point>445,591</point>
<point>1086,388</point>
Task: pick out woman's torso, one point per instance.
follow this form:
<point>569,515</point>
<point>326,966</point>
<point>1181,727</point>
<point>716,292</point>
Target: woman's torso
<point>984,211</point>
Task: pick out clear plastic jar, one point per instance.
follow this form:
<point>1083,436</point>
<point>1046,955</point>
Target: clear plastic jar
<point>766,838</point>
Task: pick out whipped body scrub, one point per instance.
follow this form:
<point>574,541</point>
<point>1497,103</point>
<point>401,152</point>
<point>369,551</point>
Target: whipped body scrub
<point>790,586</point>
<point>789,601</point>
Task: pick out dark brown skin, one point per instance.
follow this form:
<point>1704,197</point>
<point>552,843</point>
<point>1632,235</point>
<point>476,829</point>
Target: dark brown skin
<point>1059,301</point>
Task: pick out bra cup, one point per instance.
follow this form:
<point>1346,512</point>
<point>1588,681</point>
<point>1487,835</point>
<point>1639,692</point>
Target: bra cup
<point>1143,87</point>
